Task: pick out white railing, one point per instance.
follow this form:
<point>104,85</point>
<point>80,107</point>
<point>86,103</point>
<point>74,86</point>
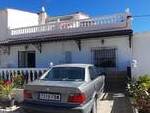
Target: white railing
<point>104,22</point>
<point>29,74</point>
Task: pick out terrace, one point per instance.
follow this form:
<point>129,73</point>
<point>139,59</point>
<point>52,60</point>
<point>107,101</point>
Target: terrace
<point>91,25</point>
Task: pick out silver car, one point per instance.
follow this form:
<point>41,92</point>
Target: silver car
<point>67,88</point>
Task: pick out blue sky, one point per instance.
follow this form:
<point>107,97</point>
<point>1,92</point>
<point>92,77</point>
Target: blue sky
<point>91,7</point>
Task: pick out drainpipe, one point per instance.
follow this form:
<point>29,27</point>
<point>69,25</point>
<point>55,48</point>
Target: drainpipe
<point>129,26</point>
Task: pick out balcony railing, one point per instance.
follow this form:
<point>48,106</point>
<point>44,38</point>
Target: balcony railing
<point>116,21</point>
<point>29,74</point>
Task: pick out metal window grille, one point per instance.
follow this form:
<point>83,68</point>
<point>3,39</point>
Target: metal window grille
<point>105,57</point>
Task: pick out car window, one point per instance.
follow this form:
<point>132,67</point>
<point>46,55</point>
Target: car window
<point>66,74</point>
<point>93,72</point>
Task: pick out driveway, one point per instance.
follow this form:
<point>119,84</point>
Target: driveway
<point>114,103</point>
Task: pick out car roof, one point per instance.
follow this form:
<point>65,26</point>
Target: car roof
<point>74,65</point>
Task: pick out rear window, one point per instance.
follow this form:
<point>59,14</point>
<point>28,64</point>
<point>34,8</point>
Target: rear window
<point>66,74</point>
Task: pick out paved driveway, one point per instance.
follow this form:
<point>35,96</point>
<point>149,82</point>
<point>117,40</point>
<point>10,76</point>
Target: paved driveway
<point>114,103</point>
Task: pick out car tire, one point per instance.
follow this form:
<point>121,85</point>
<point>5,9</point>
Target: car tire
<point>94,108</point>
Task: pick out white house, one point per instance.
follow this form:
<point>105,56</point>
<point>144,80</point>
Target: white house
<point>29,40</point>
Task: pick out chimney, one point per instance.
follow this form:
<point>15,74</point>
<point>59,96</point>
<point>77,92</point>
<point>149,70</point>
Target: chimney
<point>42,16</point>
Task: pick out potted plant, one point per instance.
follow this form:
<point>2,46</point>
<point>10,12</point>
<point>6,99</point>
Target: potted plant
<point>6,95</point>
<point>18,81</point>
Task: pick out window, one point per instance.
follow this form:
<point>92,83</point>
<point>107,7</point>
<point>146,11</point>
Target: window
<point>93,73</point>
<point>66,74</point>
<point>105,57</point>
<point>26,59</point>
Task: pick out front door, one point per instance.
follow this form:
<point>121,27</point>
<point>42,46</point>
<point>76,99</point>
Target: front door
<point>31,59</point>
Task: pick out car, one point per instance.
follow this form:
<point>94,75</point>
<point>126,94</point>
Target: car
<point>65,88</point>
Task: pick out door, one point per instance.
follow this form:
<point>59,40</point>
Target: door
<point>26,59</point>
<point>31,59</point>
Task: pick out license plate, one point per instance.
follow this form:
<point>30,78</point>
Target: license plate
<point>49,97</point>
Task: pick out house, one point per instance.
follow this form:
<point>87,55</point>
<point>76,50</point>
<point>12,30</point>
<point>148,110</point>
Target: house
<point>32,41</point>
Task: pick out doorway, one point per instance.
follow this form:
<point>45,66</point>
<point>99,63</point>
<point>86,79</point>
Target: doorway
<point>26,59</point>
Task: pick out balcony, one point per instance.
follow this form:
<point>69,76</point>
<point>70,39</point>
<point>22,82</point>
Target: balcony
<point>104,23</point>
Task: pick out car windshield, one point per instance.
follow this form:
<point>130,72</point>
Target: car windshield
<point>65,74</point>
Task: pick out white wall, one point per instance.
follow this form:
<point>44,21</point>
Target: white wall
<point>12,18</point>
<point>141,53</point>
<point>54,52</point>
<point>18,18</point>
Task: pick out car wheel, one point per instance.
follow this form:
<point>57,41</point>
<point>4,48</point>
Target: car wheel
<point>94,108</point>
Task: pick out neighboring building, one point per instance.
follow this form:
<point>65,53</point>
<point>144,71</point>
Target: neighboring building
<point>12,18</point>
<point>31,40</point>
<point>141,54</point>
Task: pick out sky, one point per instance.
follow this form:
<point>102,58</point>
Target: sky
<point>90,7</point>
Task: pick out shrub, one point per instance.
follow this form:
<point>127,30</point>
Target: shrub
<point>18,81</point>
<point>144,82</point>
<point>6,88</point>
<point>140,91</point>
